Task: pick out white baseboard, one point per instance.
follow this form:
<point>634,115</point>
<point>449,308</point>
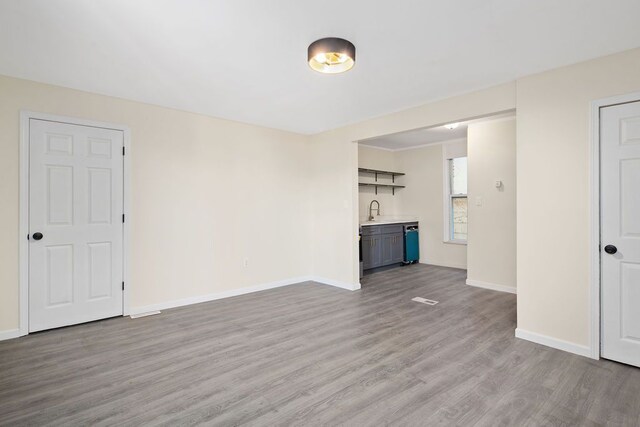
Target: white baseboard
<point>147,314</point>
<point>330,282</point>
<point>444,264</point>
<point>492,286</point>
<point>240,291</point>
<point>581,350</point>
<point>10,334</point>
<point>15,333</point>
<point>215,296</point>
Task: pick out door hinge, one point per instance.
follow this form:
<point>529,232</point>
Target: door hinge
<point>123,150</point>
<point>123,286</point>
<point>123,218</point>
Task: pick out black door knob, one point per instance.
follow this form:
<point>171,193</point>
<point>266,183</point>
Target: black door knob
<point>37,236</point>
<point>610,249</point>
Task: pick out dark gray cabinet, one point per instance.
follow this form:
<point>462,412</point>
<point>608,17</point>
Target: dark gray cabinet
<point>387,248</point>
<point>397,248</point>
<point>371,252</point>
<point>382,245</point>
<point>392,248</point>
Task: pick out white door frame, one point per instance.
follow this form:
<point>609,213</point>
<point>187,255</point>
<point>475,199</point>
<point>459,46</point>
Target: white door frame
<point>594,214</point>
<point>25,116</point>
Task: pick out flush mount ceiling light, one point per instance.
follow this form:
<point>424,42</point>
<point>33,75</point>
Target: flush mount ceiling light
<point>331,55</point>
<point>452,126</point>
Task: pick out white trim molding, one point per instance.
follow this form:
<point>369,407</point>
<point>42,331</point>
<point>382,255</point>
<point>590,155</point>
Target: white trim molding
<point>594,215</point>
<point>455,242</point>
<point>492,286</point>
<point>375,147</point>
<point>134,311</point>
<point>25,117</point>
<point>431,144</point>
<point>23,243</point>
<point>10,334</point>
<point>337,284</point>
<point>444,264</point>
<point>215,296</point>
<point>580,350</point>
<point>414,147</point>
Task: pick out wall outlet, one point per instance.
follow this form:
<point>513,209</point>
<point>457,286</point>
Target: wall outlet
<point>245,263</point>
<point>479,201</point>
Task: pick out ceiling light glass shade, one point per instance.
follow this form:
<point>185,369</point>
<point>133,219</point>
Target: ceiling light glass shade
<point>452,126</point>
<point>331,55</point>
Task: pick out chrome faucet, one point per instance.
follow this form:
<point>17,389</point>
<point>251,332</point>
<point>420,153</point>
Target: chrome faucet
<point>371,209</point>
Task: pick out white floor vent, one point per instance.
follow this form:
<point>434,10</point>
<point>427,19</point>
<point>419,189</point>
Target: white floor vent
<point>424,301</point>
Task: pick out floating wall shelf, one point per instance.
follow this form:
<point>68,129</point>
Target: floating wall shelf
<point>377,172</point>
<point>376,185</point>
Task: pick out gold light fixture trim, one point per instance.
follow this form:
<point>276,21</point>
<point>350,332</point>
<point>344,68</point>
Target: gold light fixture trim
<point>331,55</point>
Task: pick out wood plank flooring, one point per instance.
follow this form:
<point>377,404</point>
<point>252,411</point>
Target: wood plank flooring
<point>311,354</point>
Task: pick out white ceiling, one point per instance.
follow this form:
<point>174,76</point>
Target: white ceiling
<point>246,59</point>
<point>426,136</point>
<point>416,138</point>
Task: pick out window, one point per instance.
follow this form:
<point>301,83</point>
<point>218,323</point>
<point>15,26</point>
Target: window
<point>457,209</point>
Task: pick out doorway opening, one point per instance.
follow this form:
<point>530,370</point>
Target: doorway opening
<point>426,195</point>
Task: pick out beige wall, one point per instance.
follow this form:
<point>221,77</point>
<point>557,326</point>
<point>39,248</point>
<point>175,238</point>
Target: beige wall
<point>491,244</point>
<point>376,158</point>
<point>373,158</point>
<point>334,207</point>
<point>207,193</point>
<point>553,191</point>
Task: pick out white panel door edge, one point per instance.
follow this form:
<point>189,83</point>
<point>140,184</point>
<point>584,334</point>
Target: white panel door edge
<point>76,203</point>
<point>620,232</point>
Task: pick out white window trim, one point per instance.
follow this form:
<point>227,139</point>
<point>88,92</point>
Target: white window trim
<point>450,150</point>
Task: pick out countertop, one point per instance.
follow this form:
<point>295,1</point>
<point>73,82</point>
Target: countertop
<point>387,222</point>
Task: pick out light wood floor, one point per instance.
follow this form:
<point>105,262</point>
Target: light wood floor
<point>311,354</point>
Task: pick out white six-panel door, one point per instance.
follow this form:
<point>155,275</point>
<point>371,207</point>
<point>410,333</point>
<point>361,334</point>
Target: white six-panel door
<point>620,232</point>
<point>76,204</point>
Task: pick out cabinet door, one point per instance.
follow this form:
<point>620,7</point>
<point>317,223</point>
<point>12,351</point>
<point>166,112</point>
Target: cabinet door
<point>367,252</point>
<point>397,249</point>
<point>371,252</point>
<point>376,254</point>
<point>387,248</point>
